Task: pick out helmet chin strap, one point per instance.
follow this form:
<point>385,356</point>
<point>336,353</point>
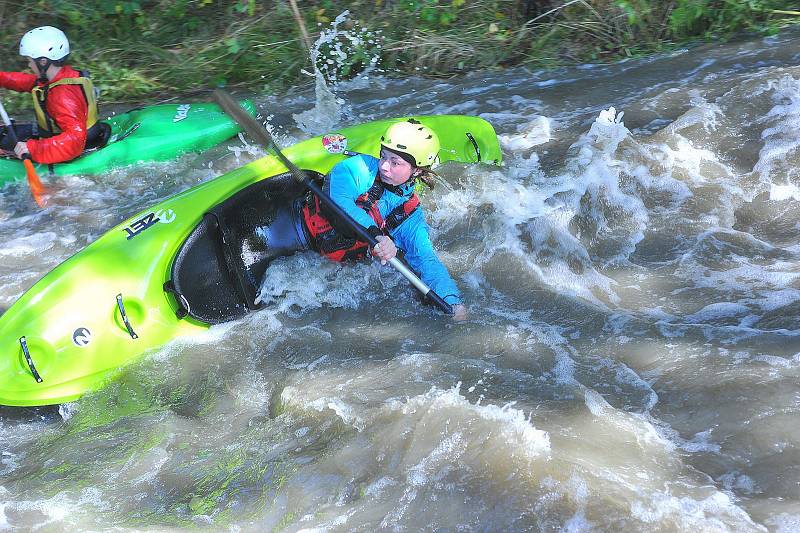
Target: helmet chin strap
<point>42,64</point>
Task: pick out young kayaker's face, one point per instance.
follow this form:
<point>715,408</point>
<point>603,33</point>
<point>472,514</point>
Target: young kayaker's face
<point>394,170</point>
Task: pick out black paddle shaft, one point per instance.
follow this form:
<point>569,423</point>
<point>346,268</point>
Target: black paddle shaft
<point>253,128</point>
<point>12,133</point>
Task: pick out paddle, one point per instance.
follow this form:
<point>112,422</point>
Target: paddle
<point>37,189</point>
<point>253,128</point>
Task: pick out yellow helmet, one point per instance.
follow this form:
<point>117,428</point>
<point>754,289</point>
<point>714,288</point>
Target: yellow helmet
<point>413,139</point>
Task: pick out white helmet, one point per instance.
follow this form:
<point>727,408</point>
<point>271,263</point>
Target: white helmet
<point>44,41</point>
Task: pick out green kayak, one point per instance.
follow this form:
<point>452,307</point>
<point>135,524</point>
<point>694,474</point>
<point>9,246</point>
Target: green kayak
<point>153,133</point>
<point>174,269</point>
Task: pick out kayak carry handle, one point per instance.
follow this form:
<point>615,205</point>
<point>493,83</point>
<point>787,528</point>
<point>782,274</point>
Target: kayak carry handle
<point>474,145</point>
<point>122,312</point>
<point>27,355</point>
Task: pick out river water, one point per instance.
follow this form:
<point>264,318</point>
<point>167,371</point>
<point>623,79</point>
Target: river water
<point>631,360</point>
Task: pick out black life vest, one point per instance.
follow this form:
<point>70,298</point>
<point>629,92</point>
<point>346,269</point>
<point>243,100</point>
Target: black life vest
<point>328,239</point>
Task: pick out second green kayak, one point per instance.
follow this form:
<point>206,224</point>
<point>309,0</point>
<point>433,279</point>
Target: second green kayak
<point>153,133</point>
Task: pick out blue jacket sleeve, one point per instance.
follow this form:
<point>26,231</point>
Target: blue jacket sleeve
<point>348,180</point>
<point>412,236</point>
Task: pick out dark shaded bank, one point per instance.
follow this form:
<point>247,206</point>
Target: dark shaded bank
<point>153,49</point>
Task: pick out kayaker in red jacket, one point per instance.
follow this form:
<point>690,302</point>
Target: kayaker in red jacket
<point>63,100</point>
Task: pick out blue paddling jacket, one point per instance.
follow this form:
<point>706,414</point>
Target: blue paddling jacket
<point>355,187</point>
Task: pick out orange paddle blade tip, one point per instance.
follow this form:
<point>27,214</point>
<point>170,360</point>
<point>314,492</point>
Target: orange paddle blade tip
<point>37,189</point>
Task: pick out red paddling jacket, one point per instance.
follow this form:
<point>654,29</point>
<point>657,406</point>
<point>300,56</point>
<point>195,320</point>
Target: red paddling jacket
<point>69,111</point>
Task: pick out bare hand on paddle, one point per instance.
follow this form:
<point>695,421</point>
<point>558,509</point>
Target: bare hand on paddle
<point>385,249</point>
<point>20,149</point>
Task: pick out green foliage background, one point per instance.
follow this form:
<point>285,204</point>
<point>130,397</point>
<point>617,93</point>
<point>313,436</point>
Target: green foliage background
<point>140,50</point>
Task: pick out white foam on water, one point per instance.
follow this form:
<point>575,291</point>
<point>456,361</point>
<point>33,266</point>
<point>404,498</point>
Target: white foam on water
<point>331,525</point>
<point>716,311</point>
<point>716,513</point>
<point>782,362</point>
<point>593,168</point>
<point>203,337</point>
<point>781,192</point>
<point>514,203</point>
<point>29,245</point>
<point>701,442</point>
<point>741,483</point>
<point>309,281</point>
<point>466,107</point>
<point>55,510</point>
<point>154,460</point>
<point>624,375</point>
<point>766,286</point>
<point>777,160</point>
<point>523,213</point>
<point>68,410</point>
<point>775,299</point>
<point>5,525</point>
<point>255,151</point>
<point>563,371</point>
<point>785,522</point>
<point>377,487</point>
<point>702,113</point>
<point>537,131</point>
<point>515,428</point>
<point>451,447</point>
<point>578,523</point>
<point>344,411</point>
<point>640,426</point>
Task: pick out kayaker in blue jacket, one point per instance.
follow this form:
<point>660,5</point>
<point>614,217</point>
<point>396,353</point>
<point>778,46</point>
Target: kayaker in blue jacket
<point>379,194</point>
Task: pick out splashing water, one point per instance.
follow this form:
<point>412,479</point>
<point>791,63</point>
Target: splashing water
<point>332,60</point>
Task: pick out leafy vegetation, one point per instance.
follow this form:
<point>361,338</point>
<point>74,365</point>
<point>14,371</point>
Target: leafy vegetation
<point>153,49</point>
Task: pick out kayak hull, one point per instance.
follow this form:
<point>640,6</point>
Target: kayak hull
<point>106,306</point>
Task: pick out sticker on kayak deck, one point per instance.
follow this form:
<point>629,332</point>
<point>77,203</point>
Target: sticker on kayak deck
<point>182,113</point>
<point>81,337</point>
<point>335,143</point>
<point>165,217</point>
<point>138,226</point>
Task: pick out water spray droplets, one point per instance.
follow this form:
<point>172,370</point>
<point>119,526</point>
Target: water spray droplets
<point>338,55</point>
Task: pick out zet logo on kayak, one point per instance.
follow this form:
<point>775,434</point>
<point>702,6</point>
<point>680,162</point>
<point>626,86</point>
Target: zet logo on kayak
<point>165,216</point>
<point>81,337</point>
<point>183,112</point>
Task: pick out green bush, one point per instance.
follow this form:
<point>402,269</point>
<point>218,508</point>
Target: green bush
<point>139,50</point>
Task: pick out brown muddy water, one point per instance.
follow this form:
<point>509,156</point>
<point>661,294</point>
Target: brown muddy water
<point>631,361</point>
